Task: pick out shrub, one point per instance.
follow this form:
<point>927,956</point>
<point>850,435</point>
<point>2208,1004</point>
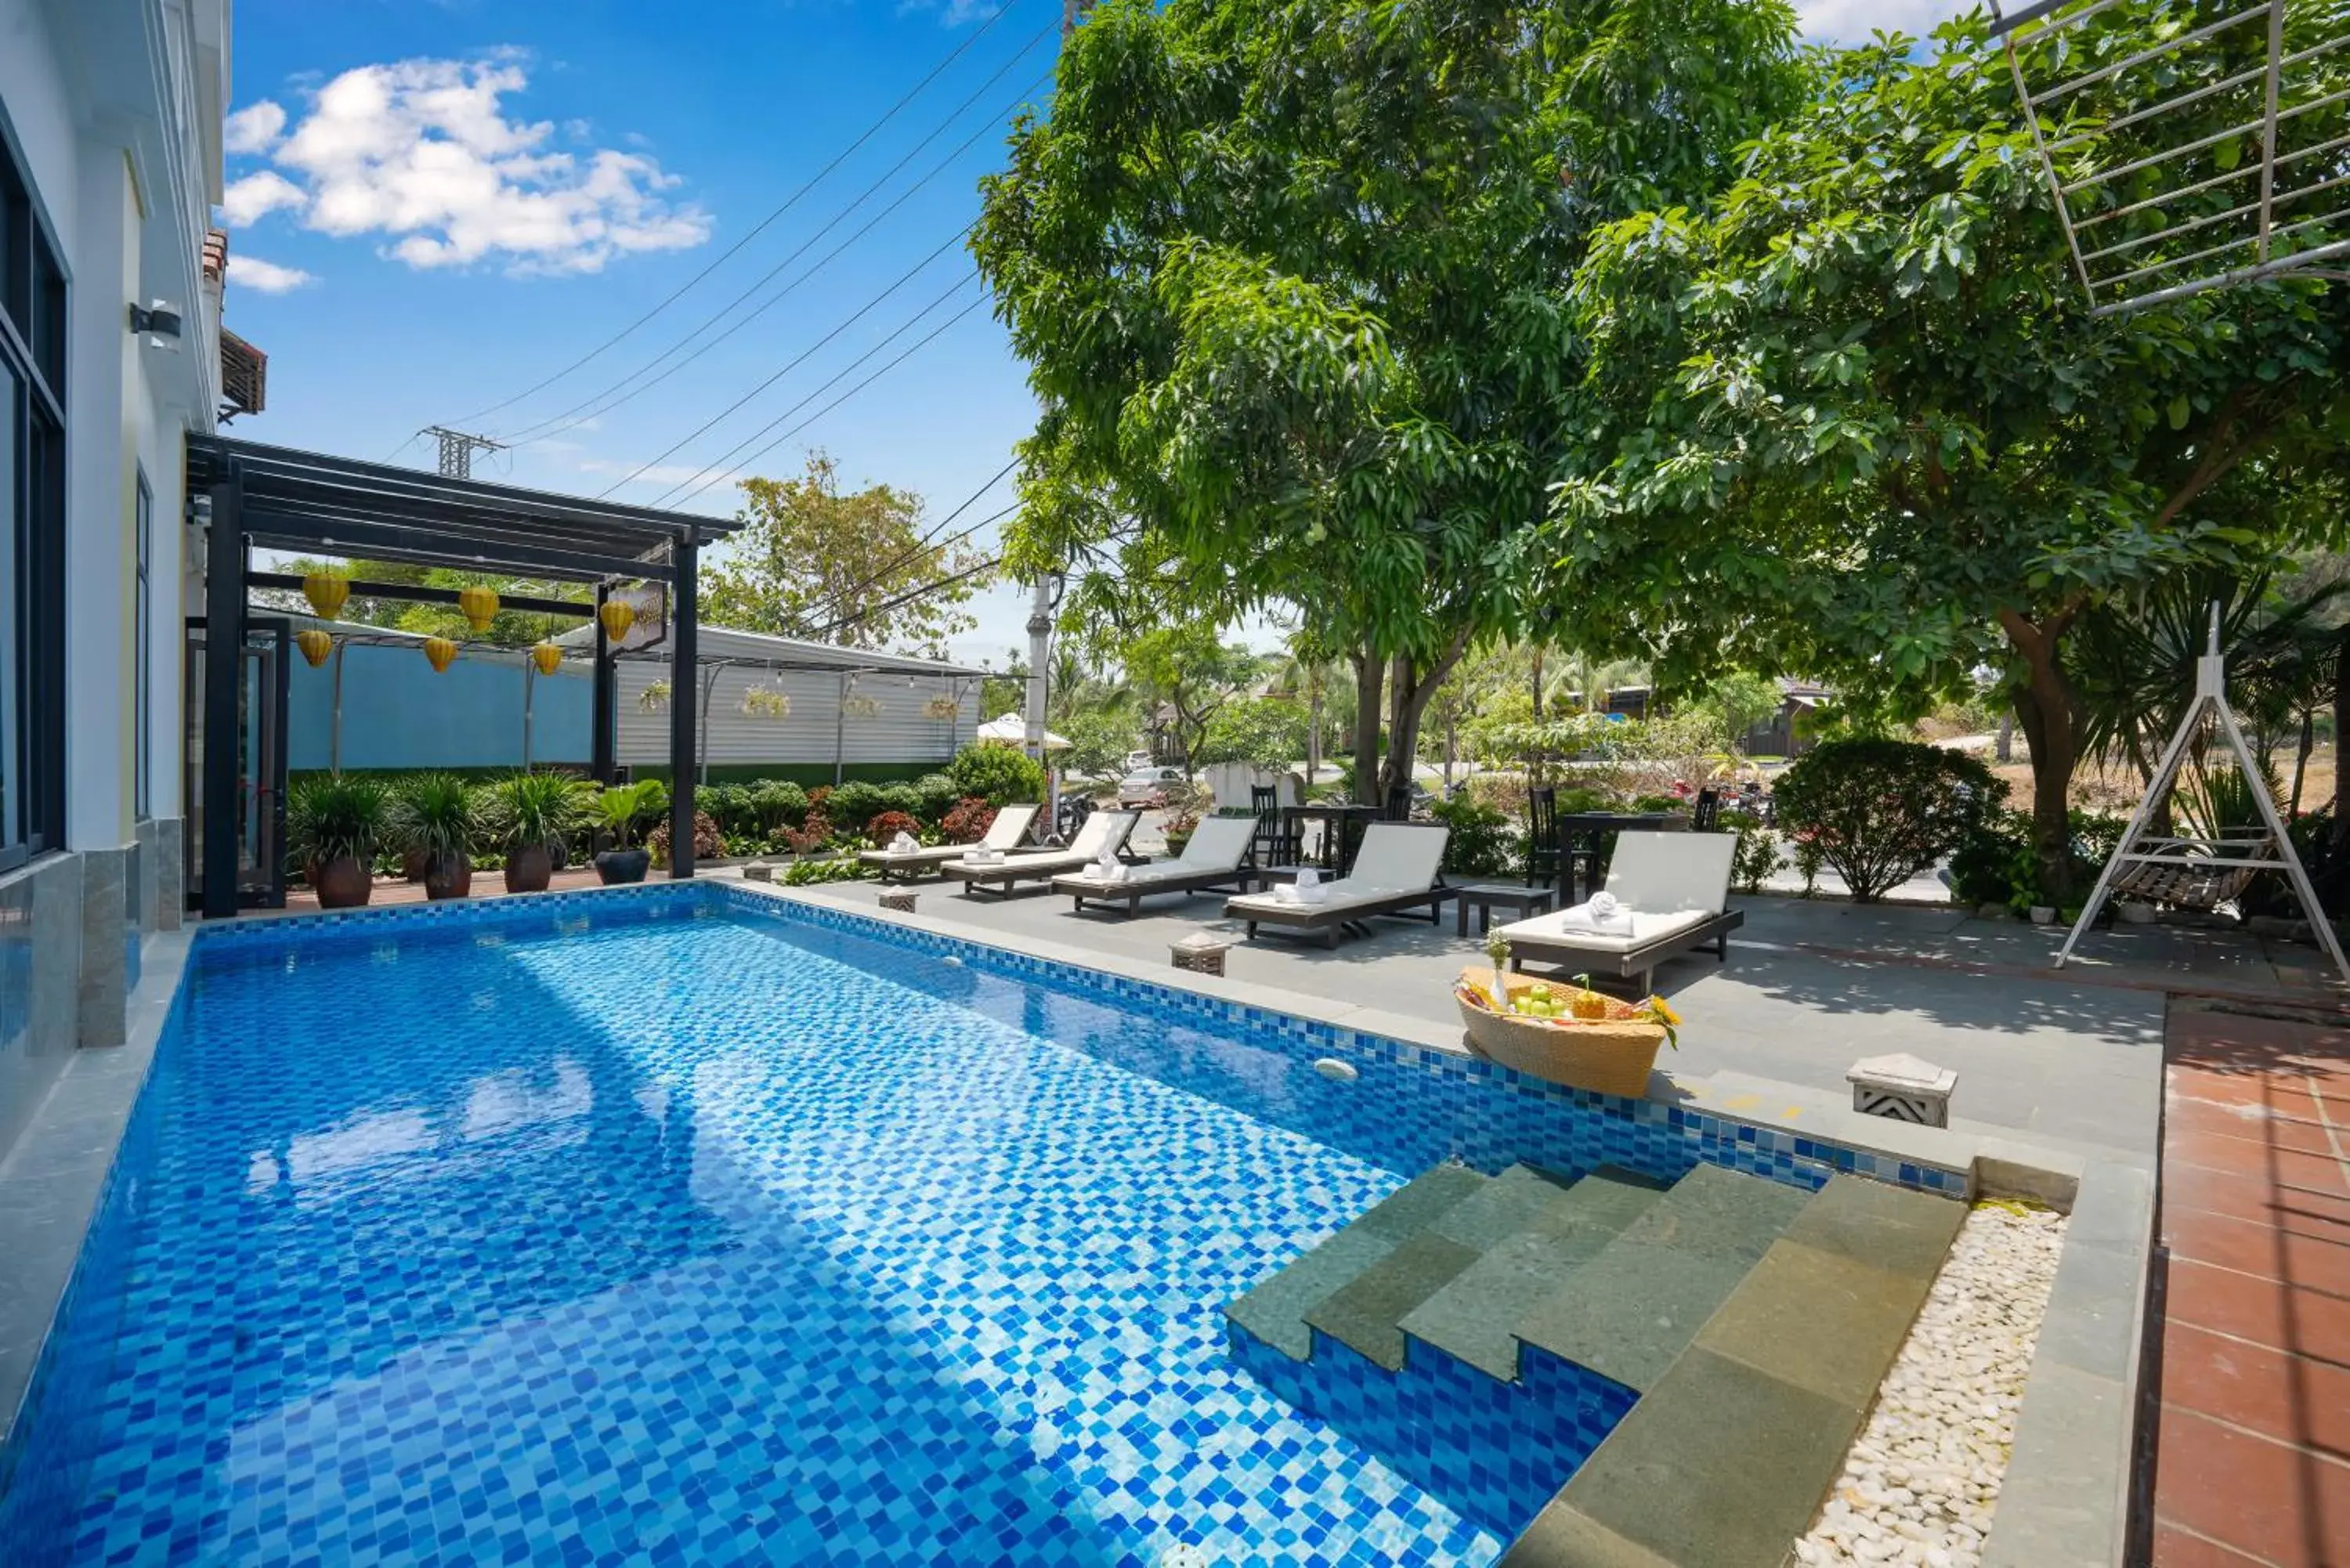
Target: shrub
<point>886,825</point>
<point>812,834</point>
<point>330,818</point>
<point>436,816</point>
<point>1881,811</point>
<point>1484,842</point>
<point>709,843</point>
<point>1758,855</point>
<point>536,808</point>
<point>806,873</point>
<point>1505,792</point>
<point>779,804</point>
<point>935,795</point>
<point>1001,773</point>
<point>1997,863</point>
<point>901,798</point>
<point>732,807</point>
<point>854,802</point>
<point>968,820</point>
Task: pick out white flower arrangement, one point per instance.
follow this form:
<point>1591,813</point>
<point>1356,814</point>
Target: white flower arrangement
<point>861,707</point>
<point>653,699</point>
<point>765,702</point>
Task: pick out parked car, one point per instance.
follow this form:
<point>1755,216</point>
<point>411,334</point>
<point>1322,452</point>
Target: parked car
<point>1148,788</point>
<point>1135,761</point>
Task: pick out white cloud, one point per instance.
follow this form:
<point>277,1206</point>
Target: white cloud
<point>267,277</point>
<point>421,153</point>
<point>1852,21</point>
<point>247,200</point>
<point>254,128</point>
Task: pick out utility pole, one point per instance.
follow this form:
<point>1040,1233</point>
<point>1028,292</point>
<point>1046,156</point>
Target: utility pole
<point>1047,597</point>
<point>457,450</point>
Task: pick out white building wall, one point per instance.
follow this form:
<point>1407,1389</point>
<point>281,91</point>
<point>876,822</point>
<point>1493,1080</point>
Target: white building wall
<point>115,110</point>
<point>900,733</point>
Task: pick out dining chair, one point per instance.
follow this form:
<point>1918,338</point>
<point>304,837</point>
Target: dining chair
<point>1542,857</point>
<point>1273,843</point>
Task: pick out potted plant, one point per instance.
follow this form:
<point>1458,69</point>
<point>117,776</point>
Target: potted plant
<point>332,827</point>
<point>618,810</point>
<point>533,816</point>
<point>435,822</point>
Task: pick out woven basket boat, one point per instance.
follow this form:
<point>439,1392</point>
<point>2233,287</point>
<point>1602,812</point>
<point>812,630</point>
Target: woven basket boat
<point>1614,1055</point>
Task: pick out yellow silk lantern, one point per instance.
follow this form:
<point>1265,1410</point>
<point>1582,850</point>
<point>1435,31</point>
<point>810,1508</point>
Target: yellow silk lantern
<point>438,652</point>
<point>314,645</point>
<point>479,604</point>
<point>547,656</point>
<point>326,591</point>
<point>618,616</point>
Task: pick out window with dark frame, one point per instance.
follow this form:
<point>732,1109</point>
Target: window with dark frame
<point>32,522</point>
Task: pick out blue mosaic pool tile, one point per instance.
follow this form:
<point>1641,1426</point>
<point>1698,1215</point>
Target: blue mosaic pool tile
<point>684,1224</point>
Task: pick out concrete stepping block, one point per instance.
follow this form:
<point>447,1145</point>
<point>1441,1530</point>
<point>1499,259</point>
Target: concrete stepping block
<point>1474,1317</point>
<point>1418,1203</point>
<point>1820,1322</point>
<point>1886,1227</point>
<point>1719,1466</point>
<point>1366,1313</point>
<point>1509,1203</point>
<point>1274,1311</point>
<point>1629,1310</point>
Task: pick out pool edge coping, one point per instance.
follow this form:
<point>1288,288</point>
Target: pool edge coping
<point>2075,1432</point>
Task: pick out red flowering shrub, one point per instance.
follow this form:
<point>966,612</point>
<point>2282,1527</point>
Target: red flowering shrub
<point>968,820</point>
<point>812,835</point>
<point>887,824</point>
<point>709,843</point>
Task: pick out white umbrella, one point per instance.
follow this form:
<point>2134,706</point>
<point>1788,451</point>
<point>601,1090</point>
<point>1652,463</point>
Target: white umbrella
<point>1012,730</point>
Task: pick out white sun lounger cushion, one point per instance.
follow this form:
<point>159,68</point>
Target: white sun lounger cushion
<point>1220,844</point>
<point>1011,825</point>
<point>1395,861</point>
<point>1552,929</point>
<point>1671,873</point>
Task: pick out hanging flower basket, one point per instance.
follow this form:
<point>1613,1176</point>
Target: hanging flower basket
<point>942,708</point>
<point>653,699</point>
<point>765,702</point>
<point>861,707</point>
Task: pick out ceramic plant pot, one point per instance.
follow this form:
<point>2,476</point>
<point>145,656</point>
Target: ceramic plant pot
<point>342,883</point>
<point>529,869</point>
<point>449,877</point>
<point>619,865</point>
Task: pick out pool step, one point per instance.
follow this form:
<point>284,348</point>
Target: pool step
<point>1475,1314</point>
<point>1630,1309</point>
<point>1728,1454</point>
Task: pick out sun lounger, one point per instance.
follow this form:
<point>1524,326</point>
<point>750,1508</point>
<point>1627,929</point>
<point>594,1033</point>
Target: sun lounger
<point>1010,826</point>
<point>1675,889</point>
<point>1217,859</point>
<point>1397,870</point>
<point>1102,829</point>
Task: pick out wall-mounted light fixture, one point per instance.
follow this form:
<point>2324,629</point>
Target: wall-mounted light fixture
<point>159,319</point>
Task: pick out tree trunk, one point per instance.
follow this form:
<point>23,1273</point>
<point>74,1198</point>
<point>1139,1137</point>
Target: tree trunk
<point>1538,683</point>
<point>2307,744</point>
<point>1314,731</point>
<point>2005,750</point>
<point>2342,739</point>
<point>2046,713</point>
<point>1370,682</point>
<point>1413,692</point>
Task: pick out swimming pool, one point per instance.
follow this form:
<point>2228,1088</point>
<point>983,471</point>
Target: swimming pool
<point>687,1224</point>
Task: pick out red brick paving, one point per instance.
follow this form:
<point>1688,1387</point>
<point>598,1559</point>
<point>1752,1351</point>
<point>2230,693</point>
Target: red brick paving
<point>2252,1466</point>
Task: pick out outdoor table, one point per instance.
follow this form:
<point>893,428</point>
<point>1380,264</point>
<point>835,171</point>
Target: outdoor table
<point>1486,897</point>
<point>1585,838</point>
<point>1341,830</point>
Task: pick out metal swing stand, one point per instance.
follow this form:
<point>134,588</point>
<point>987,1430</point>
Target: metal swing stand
<point>2164,864</point>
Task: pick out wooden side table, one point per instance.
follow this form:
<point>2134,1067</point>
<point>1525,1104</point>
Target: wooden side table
<point>1487,897</point>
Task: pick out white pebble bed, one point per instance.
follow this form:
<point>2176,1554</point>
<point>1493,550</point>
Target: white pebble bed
<point>1923,1477</point>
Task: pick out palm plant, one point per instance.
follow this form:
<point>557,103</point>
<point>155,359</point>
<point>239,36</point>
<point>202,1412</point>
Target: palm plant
<point>619,808</point>
<point>532,816</point>
<point>336,818</point>
<point>436,815</point>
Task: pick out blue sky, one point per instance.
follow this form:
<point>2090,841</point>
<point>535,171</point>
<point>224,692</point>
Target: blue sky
<point>435,205</point>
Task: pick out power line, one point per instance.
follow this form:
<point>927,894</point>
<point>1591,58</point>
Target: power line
<point>914,349</point>
<point>719,464</point>
<point>869,611</point>
<point>594,404</point>
<point>789,201</point>
<point>901,281</point>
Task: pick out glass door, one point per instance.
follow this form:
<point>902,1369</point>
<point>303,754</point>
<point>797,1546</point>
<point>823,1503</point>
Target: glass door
<point>260,825</point>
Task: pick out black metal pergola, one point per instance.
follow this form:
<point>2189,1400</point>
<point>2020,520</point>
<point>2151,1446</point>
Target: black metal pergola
<point>280,498</point>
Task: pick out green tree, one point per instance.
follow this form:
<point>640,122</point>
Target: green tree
<point>1190,675</point>
<point>855,569</point>
<point>1855,421</point>
<point>1733,704</point>
<point>1268,732</point>
<point>1290,279</point>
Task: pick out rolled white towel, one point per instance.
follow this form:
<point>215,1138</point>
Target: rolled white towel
<point>1605,914</point>
<point>904,843</point>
